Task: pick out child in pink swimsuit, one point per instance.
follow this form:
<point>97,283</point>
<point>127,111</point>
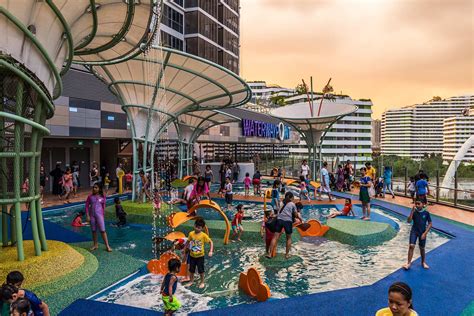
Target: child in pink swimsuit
<point>95,208</point>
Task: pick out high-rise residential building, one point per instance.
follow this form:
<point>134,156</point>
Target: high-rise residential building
<point>376,135</point>
<point>206,28</point>
<point>417,130</point>
<point>350,138</point>
<point>456,130</point>
<point>263,93</point>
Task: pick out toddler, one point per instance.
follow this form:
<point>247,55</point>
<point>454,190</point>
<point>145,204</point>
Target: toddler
<point>247,182</point>
<point>237,223</point>
<point>168,287</point>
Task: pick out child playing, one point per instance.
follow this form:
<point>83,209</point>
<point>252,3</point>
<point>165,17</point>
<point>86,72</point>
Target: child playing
<point>208,175</point>
<point>106,183</point>
<point>229,195</point>
<point>276,196</point>
<point>412,189</point>
<point>11,291</point>
<point>346,211</point>
<point>195,244</point>
<point>303,190</point>
<point>265,231</point>
<point>77,221</point>
<point>256,183</point>
<point>128,180</point>
<point>120,213</point>
<point>237,223</point>
<point>168,287</point>
<point>421,226</point>
<point>21,307</point>
<point>297,216</point>
<point>247,182</point>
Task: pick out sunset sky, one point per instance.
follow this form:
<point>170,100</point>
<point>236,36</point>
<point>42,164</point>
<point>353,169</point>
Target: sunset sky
<point>395,52</point>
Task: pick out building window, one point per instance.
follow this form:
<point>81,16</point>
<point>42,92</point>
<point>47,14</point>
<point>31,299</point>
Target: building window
<point>173,19</point>
<point>224,130</point>
<point>168,40</point>
<point>179,2</point>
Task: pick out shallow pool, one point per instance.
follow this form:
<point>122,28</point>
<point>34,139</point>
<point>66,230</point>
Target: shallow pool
<point>325,265</point>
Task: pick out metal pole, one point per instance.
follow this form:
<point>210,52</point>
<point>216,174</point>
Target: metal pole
<point>456,186</point>
<point>437,185</point>
<point>3,164</point>
<point>135,168</point>
<point>16,171</point>
<point>405,182</point>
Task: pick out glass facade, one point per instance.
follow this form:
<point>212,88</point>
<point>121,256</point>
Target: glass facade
<point>169,40</point>
<point>172,19</point>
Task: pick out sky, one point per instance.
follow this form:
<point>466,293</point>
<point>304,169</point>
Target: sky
<point>394,52</point>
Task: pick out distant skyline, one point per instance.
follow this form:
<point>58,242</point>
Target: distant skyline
<point>395,52</point>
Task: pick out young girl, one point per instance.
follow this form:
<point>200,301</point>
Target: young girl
<point>346,211</point>
<point>237,228</point>
<point>168,287</point>
<point>77,221</point>
<point>208,175</point>
<point>21,307</point>
<point>128,180</point>
<point>256,183</point>
<point>400,301</point>
<point>276,196</point>
<point>229,195</point>
<point>67,184</point>
<point>364,197</point>
<point>95,208</point>
<point>303,189</point>
<point>266,232</point>
<point>145,185</point>
<point>199,190</point>
<point>106,183</point>
<point>247,182</point>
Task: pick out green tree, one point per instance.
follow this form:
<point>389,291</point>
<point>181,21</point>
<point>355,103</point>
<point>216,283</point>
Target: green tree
<point>301,88</point>
<point>278,100</point>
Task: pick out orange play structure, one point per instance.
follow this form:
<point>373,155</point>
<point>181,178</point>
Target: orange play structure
<point>176,219</point>
<point>160,266</point>
<point>315,229</point>
<point>252,285</point>
<point>186,178</point>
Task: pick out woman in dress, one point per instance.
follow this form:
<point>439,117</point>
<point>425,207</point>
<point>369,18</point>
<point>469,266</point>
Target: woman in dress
<point>364,196</point>
<point>95,210</point>
<point>340,178</point>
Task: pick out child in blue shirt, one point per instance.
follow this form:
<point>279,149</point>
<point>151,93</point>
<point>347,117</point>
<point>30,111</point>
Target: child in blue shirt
<point>421,226</point>
<point>14,291</point>
<point>422,189</point>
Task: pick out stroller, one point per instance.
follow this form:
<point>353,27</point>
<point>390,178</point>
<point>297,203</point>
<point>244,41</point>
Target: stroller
<point>378,186</point>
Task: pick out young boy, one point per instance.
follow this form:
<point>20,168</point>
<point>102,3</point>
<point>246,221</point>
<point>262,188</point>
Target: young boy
<point>21,307</point>
<point>196,241</point>
<point>229,195</point>
<point>168,287</point>
<point>237,228</point>
<point>10,292</point>
<point>421,226</point>
<point>120,213</point>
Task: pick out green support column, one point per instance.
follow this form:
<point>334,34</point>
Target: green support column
<point>135,169</point>
<point>33,182</point>
<point>3,164</point>
<point>39,213</point>
<point>16,171</point>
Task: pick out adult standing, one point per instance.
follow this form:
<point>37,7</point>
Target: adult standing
<point>103,172</point>
<point>119,171</point>
<point>43,179</point>
<point>94,174</point>
<point>340,178</point>
<point>57,174</point>
<point>364,196</point>
<point>370,171</point>
<point>422,189</point>
<point>284,221</point>
<point>348,174</point>
<point>305,170</point>
<point>196,167</point>
<point>325,184</point>
<point>95,209</point>
<point>387,181</point>
<point>222,170</point>
<point>77,170</point>
<point>235,172</point>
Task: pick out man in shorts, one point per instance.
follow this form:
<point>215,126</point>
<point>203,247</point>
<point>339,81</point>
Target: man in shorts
<point>325,188</point>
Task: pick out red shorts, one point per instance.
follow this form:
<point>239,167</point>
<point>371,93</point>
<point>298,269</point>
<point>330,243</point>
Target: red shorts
<point>256,181</point>
<point>268,237</point>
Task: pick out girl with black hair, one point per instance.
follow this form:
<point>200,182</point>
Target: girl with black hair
<point>95,209</point>
<point>400,302</point>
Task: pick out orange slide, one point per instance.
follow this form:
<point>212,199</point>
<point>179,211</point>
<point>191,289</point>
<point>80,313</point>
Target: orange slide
<point>160,266</point>
<point>312,228</point>
<point>252,285</point>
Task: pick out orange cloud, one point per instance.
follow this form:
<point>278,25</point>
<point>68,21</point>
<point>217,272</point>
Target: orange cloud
<point>395,52</point>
